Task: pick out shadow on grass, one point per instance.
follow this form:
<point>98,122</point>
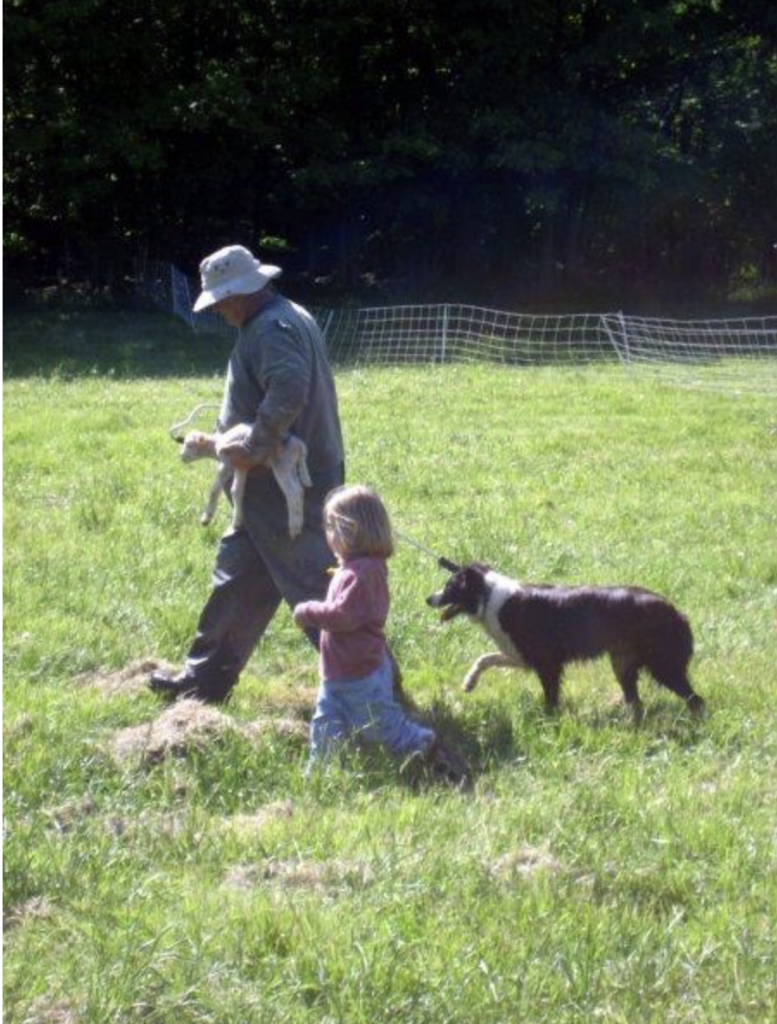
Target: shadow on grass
<point>489,738</point>
<point>486,736</point>
<point>662,721</point>
<point>122,343</point>
<point>486,741</point>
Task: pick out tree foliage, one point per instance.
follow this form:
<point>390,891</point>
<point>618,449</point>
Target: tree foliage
<point>423,145</point>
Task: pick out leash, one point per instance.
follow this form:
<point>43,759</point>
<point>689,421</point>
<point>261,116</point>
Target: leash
<point>174,431</point>
<point>442,561</point>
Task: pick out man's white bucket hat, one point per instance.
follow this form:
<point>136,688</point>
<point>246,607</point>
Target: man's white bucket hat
<point>232,271</point>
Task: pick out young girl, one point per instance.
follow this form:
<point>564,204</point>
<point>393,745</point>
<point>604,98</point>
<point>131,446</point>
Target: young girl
<point>356,694</point>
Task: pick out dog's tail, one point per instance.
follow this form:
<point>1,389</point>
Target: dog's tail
<point>684,635</point>
<point>669,660</point>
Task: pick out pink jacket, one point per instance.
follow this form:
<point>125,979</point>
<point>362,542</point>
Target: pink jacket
<point>351,619</point>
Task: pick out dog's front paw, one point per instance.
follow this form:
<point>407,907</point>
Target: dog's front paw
<point>206,519</point>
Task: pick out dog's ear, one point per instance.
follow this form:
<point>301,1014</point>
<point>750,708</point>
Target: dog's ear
<point>472,578</point>
<point>448,565</point>
<point>475,573</point>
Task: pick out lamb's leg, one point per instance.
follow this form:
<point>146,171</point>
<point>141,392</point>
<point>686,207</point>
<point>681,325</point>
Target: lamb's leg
<point>290,484</point>
<point>303,472</point>
<point>480,666</point>
<point>293,456</point>
<point>238,494</point>
<point>213,498</point>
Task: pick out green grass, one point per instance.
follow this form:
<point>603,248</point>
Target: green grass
<point>596,871</point>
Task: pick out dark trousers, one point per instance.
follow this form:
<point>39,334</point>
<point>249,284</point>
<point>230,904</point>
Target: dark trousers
<point>257,568</point>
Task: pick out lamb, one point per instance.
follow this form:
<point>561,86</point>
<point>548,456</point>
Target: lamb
<point>288,464</point>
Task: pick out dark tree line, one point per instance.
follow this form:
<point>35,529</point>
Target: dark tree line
<point>430,148</point>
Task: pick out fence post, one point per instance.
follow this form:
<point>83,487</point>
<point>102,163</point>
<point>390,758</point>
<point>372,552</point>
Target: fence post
<point>443,351</point>
<point>192,315</point>
<point>625,335</point>
<point>181,297</point>
<point>604,319</point>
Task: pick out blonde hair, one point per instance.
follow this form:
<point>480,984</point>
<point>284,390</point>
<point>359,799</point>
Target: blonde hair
<point>357,523</point>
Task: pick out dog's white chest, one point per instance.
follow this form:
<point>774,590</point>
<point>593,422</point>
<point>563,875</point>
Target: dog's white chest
<point>500,590</point>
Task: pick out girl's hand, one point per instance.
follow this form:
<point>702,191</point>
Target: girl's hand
<point>299,615</point>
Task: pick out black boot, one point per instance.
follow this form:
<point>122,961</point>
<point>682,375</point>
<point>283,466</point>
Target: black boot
<point>172,687</point>
<point>179,687</point>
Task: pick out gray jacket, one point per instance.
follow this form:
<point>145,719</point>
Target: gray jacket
<point>279,379</point>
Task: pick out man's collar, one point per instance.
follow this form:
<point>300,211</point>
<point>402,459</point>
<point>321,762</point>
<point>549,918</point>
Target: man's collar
<point>258,301</point>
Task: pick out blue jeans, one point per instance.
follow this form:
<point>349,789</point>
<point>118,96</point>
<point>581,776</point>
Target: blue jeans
<point>364,708</point>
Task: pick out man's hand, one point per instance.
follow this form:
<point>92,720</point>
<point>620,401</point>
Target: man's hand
<point>238,460</point>
<point>234,446</point>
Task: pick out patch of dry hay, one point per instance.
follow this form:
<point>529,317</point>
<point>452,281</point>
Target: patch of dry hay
<point>168,825</point>
<point>23,725</point>
<point>286,728</point>
<point>127,681</point>
<point>65,817</point>
<point>247,824</point>
<point>44,1012</point>
<point>190,725</point>
<point>187,725</point>
<point>525,862</point>
<point>311,875</point>
<point>37,908</point>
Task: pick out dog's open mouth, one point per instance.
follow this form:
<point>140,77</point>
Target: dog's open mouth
<point>450,612</point>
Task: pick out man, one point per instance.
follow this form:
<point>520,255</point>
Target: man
<point>279,380</point>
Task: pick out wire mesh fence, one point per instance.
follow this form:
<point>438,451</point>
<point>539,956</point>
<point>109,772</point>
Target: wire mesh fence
<point>738,355</point>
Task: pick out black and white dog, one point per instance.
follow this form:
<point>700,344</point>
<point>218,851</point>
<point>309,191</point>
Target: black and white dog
<point>544,628</point>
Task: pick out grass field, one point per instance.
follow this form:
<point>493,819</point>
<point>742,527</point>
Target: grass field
<point>594,872</point>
